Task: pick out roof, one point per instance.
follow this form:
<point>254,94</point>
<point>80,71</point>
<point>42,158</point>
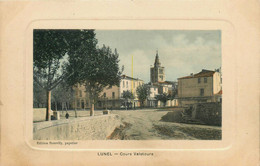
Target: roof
<point>163,83</point>
<point>220,92</point>
<point>130,78</point>
<point>203,73</point>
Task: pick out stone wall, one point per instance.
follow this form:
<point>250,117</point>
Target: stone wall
<point>202,113</point>
<point>86,128</point>
<point>209,113</point>
<point>39,114</point>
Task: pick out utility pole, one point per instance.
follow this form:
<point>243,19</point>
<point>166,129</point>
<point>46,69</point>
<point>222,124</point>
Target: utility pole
<point>132,81</point>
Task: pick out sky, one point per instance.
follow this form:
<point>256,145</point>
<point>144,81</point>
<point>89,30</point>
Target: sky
<point>180,52</point>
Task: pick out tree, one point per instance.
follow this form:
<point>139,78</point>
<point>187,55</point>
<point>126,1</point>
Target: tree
<point>56,53</point>
<point>163,98</point>
<point>143,92</point>
<point>172,94</point>
<point>39,96</point>
<point>127,95</point>
<point>96,69</point>
<point>64,95</point>
<point>49,49</point>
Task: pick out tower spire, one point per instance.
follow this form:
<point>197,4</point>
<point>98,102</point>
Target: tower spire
<point>157,62</point>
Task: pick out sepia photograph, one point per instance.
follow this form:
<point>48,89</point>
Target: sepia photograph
<point>102,83</point>
<point>91,84</point>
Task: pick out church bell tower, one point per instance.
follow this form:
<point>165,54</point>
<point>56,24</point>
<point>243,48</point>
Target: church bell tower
<point>157,73</point>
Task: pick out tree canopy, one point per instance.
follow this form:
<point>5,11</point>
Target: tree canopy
<point>127,95</point>
<point>143,92</point>
<point>172,94</point>
<point>162,97</point>
<point>96,68</point>
<point>53,55</point>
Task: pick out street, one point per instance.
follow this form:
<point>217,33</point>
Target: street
<point>146,125</point>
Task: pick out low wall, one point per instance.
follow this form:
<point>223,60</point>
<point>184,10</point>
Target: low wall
<point>39,114</point>
<point>209,113</point>
<point>86,128</point>
<point>201,113</point>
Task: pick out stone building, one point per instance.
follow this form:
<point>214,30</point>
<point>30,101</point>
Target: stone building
<point>204,86</point>
<point>110,98</point>
<point>113,97</point>
<point>151,101</point>
<point>81,98</point>
<point>157,71</point>
<point>158,80</point>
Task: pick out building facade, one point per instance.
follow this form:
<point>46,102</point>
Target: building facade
<point>204,86</point>
<point>158,80</point>
<point>81,98</point>
<point>151,101</point>
<point>111,97</point>
<point>157,72</point>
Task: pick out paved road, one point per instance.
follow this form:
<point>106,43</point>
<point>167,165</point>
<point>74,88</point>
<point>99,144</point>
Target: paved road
<point>146,125</point>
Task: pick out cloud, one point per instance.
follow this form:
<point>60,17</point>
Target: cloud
<point>180,52</point>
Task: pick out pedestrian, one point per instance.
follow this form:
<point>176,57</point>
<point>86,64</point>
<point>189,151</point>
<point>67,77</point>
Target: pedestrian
<point>67,115</point>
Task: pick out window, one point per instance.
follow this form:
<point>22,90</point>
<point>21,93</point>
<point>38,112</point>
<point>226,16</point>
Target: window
<point>126,84</point>
<point>105,95</point>
<point>82,104</point>
<point>201,92</point>
<point>113,95</point>
<point>123,84</point>
<point>198,80</point>
<point>78,103</point>
<point>205,80</point>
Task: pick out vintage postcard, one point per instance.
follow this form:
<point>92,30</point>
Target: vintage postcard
<point>128,86</point>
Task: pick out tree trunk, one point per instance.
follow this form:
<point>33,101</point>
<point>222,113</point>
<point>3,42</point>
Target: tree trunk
<point>92,109</point>
<point>62,106</point>
<point>56,105</point>
<point>48,106</point>
<point>76,115</point>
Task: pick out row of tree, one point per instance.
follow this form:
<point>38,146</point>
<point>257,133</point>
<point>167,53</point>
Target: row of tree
<point>63,95</point>
<point>72,57</point>
<point>143,92</point>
